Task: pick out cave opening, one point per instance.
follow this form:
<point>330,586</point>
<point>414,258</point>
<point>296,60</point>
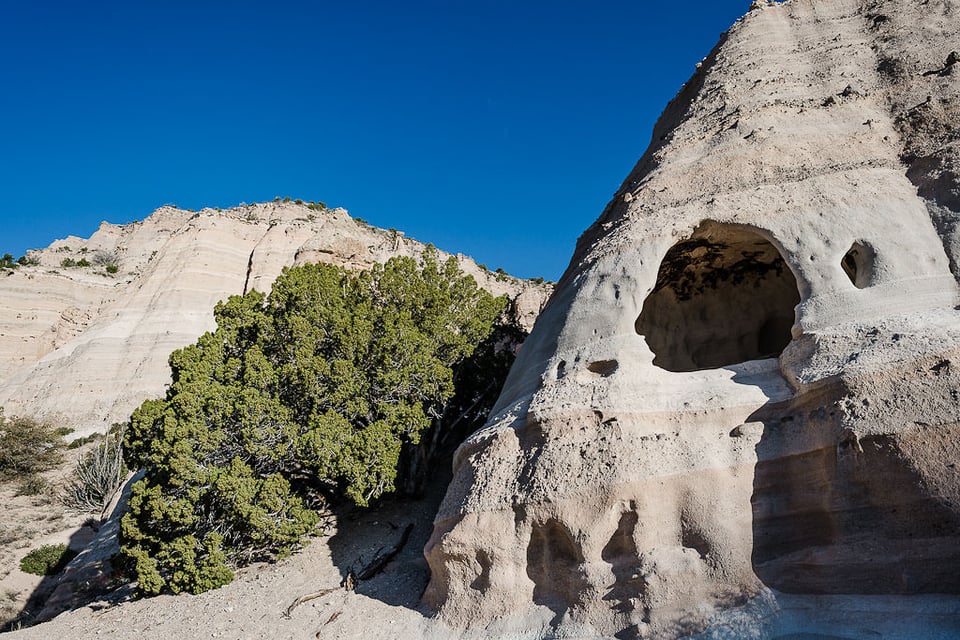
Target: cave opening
<point>722,297</point>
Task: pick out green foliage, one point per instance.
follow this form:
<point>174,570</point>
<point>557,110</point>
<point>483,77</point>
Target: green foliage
<point>76,443</point>
<point>69,263</point>
<point>28,446</point>
<point>306,396</point>
<point>7,262</point>
<point>47,560</point>
<point>32,485</point>
<point>112,269</point>
<point>28,260</point>
<point>97,475</point>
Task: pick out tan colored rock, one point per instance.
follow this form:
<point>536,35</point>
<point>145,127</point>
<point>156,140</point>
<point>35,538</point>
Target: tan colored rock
<point>745,385</point>
<point>85,348</point>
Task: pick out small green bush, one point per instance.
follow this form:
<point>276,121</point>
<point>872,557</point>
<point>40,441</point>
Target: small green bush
<point>83,262</point>
<point>28,446</point>
<point>68,263</point>
<point>112,269</point>
<point>7,262</point>
<point>79,442</point>
<point>33,485</point>
<point>47,560</point>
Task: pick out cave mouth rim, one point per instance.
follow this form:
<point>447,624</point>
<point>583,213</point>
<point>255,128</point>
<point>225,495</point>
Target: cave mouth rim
<point>720,268</point>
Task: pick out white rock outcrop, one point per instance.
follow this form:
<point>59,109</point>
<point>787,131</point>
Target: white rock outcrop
<point>746,383</point>
<point>84,347</point>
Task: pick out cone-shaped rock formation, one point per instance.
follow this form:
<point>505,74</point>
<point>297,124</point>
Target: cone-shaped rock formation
<point>745,385</point>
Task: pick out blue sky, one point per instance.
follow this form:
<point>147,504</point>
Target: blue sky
<point>493,128</point>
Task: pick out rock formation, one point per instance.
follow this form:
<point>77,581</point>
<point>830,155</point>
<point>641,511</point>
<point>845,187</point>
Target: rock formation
<point>85,347</point>
<point>744,390</point>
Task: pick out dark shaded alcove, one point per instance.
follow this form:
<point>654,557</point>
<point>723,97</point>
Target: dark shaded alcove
<point>722,297</point>
<point>554,564</point>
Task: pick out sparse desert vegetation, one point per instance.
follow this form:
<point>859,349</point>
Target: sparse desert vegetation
<point>28,446</point>
<point>38,470</point>
<point>97,475</point>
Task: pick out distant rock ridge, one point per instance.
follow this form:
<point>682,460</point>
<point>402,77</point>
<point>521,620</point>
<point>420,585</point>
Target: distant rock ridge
<point>84,347</point>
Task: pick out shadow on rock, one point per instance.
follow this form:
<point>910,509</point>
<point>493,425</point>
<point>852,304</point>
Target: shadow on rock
<point>839,508</point>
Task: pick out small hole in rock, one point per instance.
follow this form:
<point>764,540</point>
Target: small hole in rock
<point>857,263</point>
<point>603,367</point>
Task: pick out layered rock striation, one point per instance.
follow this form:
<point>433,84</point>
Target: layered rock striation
<point>84,347</point>
<point>745,387</point>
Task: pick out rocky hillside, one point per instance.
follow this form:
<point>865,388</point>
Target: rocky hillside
<point>83,346</point>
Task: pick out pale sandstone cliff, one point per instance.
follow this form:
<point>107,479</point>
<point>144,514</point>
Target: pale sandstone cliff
<point>83,347</point>
<point>654,461</point>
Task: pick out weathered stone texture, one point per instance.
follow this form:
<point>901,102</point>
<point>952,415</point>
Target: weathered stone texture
<point>747,380</point>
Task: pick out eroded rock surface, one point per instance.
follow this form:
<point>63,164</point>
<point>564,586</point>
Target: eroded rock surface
<point>745,388</point>
<point>85,347</point>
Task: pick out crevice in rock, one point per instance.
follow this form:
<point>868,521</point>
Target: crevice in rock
<point>246,279</point>
<point>623,557</point>
<point>692,538</point>
<point>858,263</point>
<point>482,582</point>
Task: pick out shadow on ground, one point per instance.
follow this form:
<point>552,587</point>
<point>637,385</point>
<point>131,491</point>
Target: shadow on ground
<point>365,535</point>
<point>30,614</point>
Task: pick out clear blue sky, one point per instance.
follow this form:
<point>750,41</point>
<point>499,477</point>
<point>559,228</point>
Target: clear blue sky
<point>496,128</point>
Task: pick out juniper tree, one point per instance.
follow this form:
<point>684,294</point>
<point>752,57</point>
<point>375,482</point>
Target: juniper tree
<point>307,394</point>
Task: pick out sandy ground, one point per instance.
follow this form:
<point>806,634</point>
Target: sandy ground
<point>255,604</point>
<point>260,603</point>
<point>28,522</point>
